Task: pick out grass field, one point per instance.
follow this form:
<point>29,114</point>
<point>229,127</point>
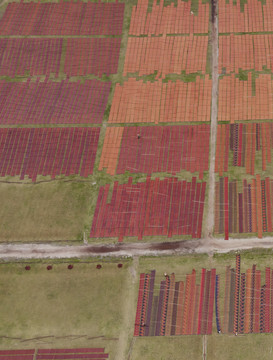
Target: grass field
<point>222,347</point>
<point>241,347</point>
<point>53,211</point>
<point>175,348</point>
<point>61,307</point>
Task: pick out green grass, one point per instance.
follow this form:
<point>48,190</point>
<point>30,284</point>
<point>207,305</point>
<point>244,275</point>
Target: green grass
<point>54,211</point>
<point>61,307</point>
<point>251,347</point>
<point>180,265</point>
<point>165,348</point>
<point>262,257</point>
<point>194,4</point>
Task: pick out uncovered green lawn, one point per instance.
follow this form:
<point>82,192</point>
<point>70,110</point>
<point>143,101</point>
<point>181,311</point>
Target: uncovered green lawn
<point>54,211</point>
<point>251,347</point>
<point>168,348</point>
<point>61,307</point>
<point>224,347</point>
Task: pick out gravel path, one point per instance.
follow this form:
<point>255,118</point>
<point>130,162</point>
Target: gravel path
<point>208,245</point>
<point>213,124</point>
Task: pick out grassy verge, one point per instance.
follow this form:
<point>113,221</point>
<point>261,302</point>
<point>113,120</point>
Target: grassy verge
<point>175,348</point>
<point>241,347</point>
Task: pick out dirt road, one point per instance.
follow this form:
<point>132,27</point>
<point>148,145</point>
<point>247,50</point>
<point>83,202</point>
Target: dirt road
<point>209,245</point>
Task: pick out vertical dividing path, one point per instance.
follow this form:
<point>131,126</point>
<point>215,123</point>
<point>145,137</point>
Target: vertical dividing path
<point>126,334</point>
<point>204,355</point>
<point>214,108</point>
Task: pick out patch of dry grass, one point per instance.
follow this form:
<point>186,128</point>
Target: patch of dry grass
<point>54,211</point>
<point>251,347</point>
<point>166,348</point>
<point>61,307</point>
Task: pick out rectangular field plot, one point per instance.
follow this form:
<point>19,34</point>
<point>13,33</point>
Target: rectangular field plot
<point>239,301</point>
<point>168,19</point>
<point>231,294</point>
<point>166,55</point>
<point>71,354</point>
<point>248,143</point>
<point>139,102</point>
<point>248,306</point>
<point>243,207</point>
<point>27,354</point>
<point>156,149</point>
<point>42,56</point>
<point>49,151</point>
<point>253,347</point>
<point>245,52</point>
<point>71,311</point>
<point>172,307</point>
<point>153,208</point>
<point>91,56</point>
<point>237,100</point>
<point>175,347</point>
<point>254,17</point>
<point>54,354</point>
<point>51,102</point>
<point>47,211</point>
<point>30,56</point>
<point>67,18</point>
